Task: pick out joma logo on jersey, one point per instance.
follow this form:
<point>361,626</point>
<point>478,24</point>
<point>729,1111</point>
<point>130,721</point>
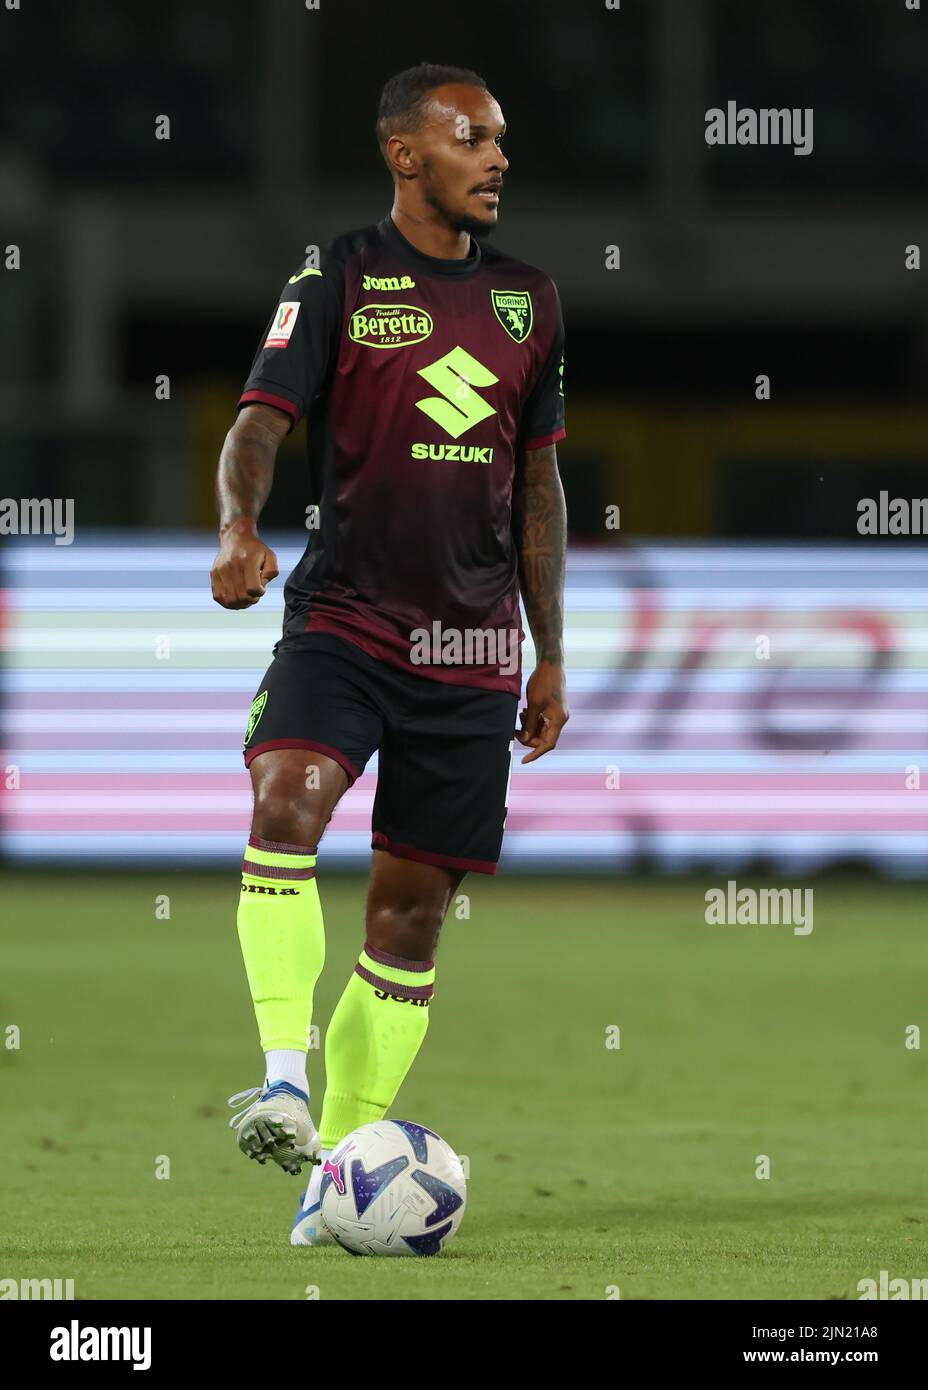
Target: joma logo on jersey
<point>459,407</point>
<point>513,308</point>
<point>270,892</point>
<point>390,282</point>
<point>389,325</point>
<point>401,998</point>
<point>453,453</point>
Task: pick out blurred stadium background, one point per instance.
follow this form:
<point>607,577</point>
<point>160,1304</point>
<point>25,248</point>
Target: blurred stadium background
<point>692,752</point>
<point>126,688</point>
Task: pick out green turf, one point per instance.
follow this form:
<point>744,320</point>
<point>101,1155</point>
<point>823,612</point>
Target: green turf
<point>589,1167</point>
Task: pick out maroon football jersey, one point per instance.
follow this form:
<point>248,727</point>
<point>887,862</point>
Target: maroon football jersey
<point>424,380</point>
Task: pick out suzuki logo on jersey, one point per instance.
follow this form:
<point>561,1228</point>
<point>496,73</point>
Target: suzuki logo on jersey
<point>459,407</point>
<point>282,326</point>
<point>453,453</point>
<point>513,308</point>
<point>389,325</point>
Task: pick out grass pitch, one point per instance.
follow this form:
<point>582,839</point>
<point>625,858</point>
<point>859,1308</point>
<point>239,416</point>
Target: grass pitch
<point>590,1167</point>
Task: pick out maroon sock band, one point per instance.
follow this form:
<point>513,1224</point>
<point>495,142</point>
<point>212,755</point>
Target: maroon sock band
<point>275,847</point>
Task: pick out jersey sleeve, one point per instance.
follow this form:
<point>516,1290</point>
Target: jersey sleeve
<point>543,414</point>
<point>298,345</point>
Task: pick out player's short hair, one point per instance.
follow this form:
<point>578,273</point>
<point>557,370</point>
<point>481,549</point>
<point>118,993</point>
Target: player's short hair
<point>405,96</point>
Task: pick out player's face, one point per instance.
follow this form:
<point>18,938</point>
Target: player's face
<point>461,160</point>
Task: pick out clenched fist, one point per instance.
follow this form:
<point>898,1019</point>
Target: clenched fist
<point>243,568</point>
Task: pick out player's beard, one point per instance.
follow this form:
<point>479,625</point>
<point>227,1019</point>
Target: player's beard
<point>458,221</point>
<point>463,222</point>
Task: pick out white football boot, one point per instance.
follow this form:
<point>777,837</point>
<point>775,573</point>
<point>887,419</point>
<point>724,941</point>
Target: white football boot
<point>276,1125</point>
<point>308,1226</point>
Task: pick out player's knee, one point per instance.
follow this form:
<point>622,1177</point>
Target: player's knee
<point>410,930</point>
<point>284,811</point>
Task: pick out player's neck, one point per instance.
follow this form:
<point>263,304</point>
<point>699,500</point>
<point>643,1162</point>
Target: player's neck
<point>430,237</point>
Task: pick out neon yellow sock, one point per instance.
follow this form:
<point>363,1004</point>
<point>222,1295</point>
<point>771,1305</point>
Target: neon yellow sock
<point>282,938</point>
<point>376,1030</point>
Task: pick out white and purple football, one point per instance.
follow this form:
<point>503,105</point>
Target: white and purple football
<point>393,1188</point>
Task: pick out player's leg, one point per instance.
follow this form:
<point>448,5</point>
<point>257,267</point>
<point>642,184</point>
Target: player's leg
<point>407,902</point>
<point>440,810</point>
<point>282,937</point>
<point>280,917</point>
<point>382,1017</point>
<point>380,1022</point>
<point>311,701</point>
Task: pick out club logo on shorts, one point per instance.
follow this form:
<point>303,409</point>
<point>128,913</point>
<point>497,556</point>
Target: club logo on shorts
<point>257,709</point>
<point>513,308</point>
<point>389,325</point>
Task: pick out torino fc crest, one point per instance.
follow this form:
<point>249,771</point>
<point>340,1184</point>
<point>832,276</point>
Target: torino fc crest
<point>513,308</point>
<point>257,709</point>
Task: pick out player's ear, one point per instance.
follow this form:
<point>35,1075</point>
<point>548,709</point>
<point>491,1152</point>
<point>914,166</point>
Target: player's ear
<point>401,158</point>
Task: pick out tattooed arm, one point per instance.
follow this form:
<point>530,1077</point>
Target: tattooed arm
<point>539,524</point>
<point>245,565</point>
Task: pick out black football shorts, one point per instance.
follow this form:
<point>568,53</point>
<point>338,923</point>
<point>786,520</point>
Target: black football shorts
<point>445,751</point>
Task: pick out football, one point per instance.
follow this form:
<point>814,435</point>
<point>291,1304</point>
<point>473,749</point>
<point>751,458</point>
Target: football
<point>393,1188</point>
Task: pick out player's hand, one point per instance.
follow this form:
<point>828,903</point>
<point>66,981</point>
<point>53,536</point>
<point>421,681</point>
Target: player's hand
<point>243,568</point>
<point>545,712</point>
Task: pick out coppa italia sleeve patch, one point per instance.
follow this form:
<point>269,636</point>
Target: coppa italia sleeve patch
<point>282,326</point>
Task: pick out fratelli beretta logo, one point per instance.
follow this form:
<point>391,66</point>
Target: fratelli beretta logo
<point>257,709</point>
<point>513,308</point>
<point>389,325</point>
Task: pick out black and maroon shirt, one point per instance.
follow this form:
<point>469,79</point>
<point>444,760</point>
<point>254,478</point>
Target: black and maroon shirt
<point>424,381</point>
